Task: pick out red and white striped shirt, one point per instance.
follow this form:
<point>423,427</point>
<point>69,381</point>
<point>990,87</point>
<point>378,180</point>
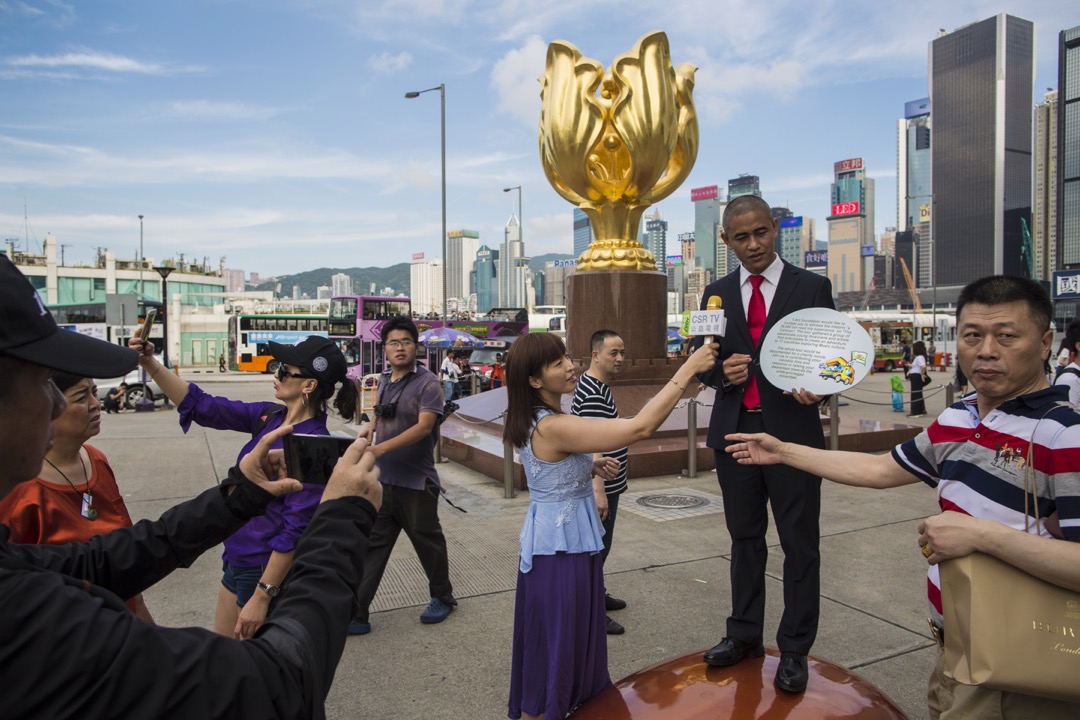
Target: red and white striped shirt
<point>978,466</point>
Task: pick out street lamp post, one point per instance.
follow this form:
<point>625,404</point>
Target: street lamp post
<point>164,273</point>
<point>442,100</point>
<point>141,258</point>
<point>521,239</point>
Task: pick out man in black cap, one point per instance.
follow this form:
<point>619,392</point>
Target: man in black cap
<point>70,646</point>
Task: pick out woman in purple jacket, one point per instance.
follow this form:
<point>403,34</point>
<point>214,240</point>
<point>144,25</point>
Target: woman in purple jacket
<point>258,556</point>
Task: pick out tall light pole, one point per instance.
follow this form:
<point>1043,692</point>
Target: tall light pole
<point>141,261</point>
<point>442,100</point>
<point>164,273</point>
<point>521,239</point>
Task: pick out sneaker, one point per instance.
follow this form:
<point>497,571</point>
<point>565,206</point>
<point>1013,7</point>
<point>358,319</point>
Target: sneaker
<point>612,603</point>
<point>614,628</point>
<point>359,628</point>
<point>435,612</point>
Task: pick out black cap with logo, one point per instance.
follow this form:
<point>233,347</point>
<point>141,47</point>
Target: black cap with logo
<point>29,332</point>
<point>317,357</point>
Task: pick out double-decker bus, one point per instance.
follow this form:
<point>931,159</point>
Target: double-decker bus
<point>89,319</point>
<point>249,335</point>
<point>356,322</point>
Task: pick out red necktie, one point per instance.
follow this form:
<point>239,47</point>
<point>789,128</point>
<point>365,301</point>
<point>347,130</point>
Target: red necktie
<point>755,320</point>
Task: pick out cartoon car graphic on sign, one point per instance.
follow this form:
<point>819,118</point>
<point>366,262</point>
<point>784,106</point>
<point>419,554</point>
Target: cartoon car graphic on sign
<point>839,370</point>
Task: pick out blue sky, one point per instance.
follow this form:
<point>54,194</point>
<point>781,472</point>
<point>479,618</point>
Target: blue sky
<point>276,132</point>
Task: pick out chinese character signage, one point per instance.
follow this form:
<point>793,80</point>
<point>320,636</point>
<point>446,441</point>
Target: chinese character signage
<point>815,258</point>
<point>848,165</point>
<point>1067,285</point>
<point>704,193</point>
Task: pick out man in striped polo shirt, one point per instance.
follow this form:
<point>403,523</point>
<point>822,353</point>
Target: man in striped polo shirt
<point>974,455</point>
<point>592,398</point>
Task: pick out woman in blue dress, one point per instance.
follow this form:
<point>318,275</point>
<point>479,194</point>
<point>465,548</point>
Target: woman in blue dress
<point>559,657</point>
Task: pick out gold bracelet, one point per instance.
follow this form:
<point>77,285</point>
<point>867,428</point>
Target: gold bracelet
<point>681,387</point>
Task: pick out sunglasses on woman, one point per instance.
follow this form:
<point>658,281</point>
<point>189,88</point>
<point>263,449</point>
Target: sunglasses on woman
<point>282,373</point>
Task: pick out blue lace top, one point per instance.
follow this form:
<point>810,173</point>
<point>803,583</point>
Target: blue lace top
<point>562,514</point>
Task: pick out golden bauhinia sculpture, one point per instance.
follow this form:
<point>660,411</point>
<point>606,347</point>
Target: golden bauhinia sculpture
<point>615,153</point>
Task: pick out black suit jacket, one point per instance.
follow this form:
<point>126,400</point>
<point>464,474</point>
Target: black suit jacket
<point>783,416</point>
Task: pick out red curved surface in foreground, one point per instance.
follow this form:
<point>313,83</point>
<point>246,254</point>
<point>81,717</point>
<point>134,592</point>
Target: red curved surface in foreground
<point>688,689</point>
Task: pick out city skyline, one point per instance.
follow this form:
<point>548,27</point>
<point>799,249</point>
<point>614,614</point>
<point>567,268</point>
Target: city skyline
<point>281,161</point>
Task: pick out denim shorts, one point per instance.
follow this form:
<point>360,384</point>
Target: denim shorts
<point>241,581</point>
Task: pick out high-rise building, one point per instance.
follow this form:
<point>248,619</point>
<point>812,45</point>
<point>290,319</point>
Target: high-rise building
<point>324,292</point>
<point>426,285</point>
<point>789,244</point>
<point>511,252</point>
<point>914,197</point>
<point>686,245</point>
<point>554,288</point>
<point>253,279</point>
<point>696,282</point>
<point>341,284</point>
<point>743,185</point>
<point>981,79</point>
<point>582,232</point>
<point>487,279</point>
<point>656,237</point>
<point>887,242</point>
<point>461,247</point>
<point>708,209</point>
<point>234,280</point>
<point>851,227</point>
<point>1044,197</point>
<point>1068,126</point>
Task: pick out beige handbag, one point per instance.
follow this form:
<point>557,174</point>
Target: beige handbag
<point>1008,630</point>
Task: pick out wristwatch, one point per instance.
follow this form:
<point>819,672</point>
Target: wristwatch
<point>271,590</point>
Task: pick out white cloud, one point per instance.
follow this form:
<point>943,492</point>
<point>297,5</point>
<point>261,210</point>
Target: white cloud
<point>90,60</point>
<point>387,64</point>
<point>515,80</point>
<point>211,110</point>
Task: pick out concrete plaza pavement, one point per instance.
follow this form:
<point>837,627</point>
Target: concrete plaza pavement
<point>671,567</point>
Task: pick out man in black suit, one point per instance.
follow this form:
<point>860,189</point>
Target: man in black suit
<point>755,296</point>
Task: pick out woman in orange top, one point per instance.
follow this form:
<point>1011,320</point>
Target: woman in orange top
<point>75,496</point>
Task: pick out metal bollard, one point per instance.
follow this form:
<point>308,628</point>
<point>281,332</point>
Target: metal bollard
<point>950,394</point>
<point>508,470</point>
<point>691,438</point>
<point>834,422</point>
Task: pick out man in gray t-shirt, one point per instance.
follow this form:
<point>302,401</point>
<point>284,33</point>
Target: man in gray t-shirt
<point>408,406</point>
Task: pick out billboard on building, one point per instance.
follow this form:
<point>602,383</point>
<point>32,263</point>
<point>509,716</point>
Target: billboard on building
<point>924,212</point>
<point>916,108</point>
<point>418,256</point>
<point>791,222</point>
<point>655,225</point>
<point>848,165</point>
<point>866,250</point>
<point>673,260</point>
<point>845,208</point>
<point>704,193</point>
<point>815,258</point>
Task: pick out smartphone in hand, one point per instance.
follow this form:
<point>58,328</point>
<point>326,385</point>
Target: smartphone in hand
<point>148,323</point>
<point>311,458</point>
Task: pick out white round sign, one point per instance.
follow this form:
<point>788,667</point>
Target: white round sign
<point>821,350</point>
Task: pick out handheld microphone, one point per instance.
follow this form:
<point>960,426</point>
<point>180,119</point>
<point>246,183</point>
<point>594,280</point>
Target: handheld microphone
<point>715,303</point>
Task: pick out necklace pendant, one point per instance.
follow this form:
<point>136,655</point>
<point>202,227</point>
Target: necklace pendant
<point>88,512</point>
<point>91,514</point>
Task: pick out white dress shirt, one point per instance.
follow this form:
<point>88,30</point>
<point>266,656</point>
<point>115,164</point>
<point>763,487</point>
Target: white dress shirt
<point>768,287</point>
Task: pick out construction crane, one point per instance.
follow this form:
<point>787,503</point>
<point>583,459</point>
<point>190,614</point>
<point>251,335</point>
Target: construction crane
<point>910,285</point>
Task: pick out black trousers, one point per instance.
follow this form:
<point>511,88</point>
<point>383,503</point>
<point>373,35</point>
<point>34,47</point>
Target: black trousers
<point>918,407</point>
<point>417,513</point>
<point>609,525</point>
<point>795,497</point>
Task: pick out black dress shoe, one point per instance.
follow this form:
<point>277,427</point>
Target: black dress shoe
<point>792,673</point>
<point>611,603</point>
<point>731,650</point>
<point>614,628</point>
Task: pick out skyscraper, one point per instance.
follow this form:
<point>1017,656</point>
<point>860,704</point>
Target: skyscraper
<point>515,281</point>
<point>487,279</point>
<point>341,284</point>
<point>1068,127</point>
<point>656,237</point>
<point>743,185</point>
<point>914,196</point>
<point>1044,199</point>
<point>851,227</point>
<point>981,79</point>
<point>461,247</point>
<point>425,285</point>
<point>582,232</point>
<point>708,209</point>
<point>789,245</point>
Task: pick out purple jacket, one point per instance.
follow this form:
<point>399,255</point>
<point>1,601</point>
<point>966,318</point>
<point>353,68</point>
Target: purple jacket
<point>286,517</point>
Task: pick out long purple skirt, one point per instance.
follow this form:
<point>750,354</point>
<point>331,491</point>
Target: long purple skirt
<point>559,658</point>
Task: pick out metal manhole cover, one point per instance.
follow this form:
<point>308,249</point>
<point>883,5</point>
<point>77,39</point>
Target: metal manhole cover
<point>672,502</point>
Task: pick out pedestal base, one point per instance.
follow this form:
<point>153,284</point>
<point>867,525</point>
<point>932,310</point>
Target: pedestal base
<point>632,303</point>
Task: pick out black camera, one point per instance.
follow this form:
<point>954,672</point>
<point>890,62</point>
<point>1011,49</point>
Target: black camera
<point>386,410</point>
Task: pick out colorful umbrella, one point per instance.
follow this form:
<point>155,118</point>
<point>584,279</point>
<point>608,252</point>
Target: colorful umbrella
<point>673,337</point>
<point>449,338</point>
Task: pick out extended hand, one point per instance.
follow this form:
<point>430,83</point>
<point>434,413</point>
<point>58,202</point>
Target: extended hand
<point>754,448</point>
<point>950,535</point>
<point>252,616</point>
<point>804,397</point>
<point>262,463</point>
<point>602,504</point>
<point>606,468</point>
<point>704,358</point>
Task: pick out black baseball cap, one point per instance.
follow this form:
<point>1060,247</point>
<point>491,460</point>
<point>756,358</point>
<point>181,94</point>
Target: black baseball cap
<point>316,356</point>
<point>29,332</point>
